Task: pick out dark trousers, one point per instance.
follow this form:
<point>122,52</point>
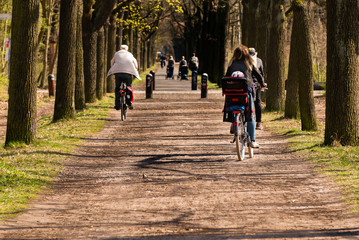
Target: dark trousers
<point>258,105</point>
<point>121,77</point>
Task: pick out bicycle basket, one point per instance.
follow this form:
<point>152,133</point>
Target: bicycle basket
<point>233,85</point>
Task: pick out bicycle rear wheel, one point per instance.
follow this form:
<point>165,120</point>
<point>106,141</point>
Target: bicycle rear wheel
<point>239,134</point>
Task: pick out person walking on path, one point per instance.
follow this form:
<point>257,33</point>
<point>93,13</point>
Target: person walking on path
<point>257,102</point>
<point>124,66</point>
<point>183,68</point>
<point>170,66</point>
<point>193,65</point>
<point>242,62</point>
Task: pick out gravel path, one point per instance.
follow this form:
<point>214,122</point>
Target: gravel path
<point>170,172</point>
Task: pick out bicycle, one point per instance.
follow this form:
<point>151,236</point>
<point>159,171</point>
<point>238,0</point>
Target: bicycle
<point>241,135</point>
<point>236,107</point>
<point>123,102</point>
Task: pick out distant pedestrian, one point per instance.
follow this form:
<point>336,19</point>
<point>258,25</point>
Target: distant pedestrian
<point>257,102</point>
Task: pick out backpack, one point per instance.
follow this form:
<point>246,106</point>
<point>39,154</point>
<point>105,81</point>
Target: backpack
<point>193,63</point>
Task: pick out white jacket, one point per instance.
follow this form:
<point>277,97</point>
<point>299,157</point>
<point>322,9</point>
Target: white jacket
<point>124,62</point>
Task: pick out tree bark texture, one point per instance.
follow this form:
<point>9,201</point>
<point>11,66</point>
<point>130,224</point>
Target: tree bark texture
<point>100,63</point>
<point>276,58</point>
<point>104,89</point>
<point>262,31</point>
<point>342,95</point>
<point>21,122</point>
<point>90,65</point>
<point>292,84</point>
<point>95,15</point>
<point>79,85</point>
<point>250,22</point>
<point>66,68</point>
<point>302,65</point>
<point>111,49</point>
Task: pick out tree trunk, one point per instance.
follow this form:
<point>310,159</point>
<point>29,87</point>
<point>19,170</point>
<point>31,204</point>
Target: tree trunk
<point>245,20</point>
<point>215,37</point>
<point>104,89</point>
<point>262,31</point>
<point>276,58</point>
<point>21,122</point>
<point>292,84</point>
<point>66,69</point>
<point>100,63</point>
<point>301,66</point>
<point>342,95</point>
<point>90,65</point>
<point>47,9</point>
<point>79,85</point>
<point>111,49</point>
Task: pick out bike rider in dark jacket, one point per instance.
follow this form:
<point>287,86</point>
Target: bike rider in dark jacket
<point>241,61</point>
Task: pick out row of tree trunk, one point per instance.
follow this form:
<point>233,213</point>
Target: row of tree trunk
<point>87,42</point>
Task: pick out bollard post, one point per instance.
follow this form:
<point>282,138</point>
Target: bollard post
<point>51,84</point>
<point>194,80</point>
<point>149,85</point>
<point>153,79</point>
<point>204,85</point>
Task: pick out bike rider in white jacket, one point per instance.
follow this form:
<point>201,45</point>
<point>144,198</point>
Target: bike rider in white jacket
<point>124,66</point>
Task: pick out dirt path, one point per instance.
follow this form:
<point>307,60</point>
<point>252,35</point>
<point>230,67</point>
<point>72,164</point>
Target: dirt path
<point>169,172</point>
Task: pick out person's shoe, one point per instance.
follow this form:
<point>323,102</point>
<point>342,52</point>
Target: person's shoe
<point>117,108</point>
<point>130,106</point>
<point>259,126</point>
<point>231,130</point>
<point>253,144</point>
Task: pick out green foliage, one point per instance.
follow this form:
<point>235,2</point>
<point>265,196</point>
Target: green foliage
<point>320,73</point>
<point>26,169</point>
<point>4,83</point>
<point>145,16</point>
<point>341,163</point>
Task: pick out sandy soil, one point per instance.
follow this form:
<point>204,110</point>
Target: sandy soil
<point>170,172</point>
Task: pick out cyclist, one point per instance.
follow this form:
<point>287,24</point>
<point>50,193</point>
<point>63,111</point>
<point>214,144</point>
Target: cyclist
<point>163,60</point>
<point>257,103</point>
<point>124,66</point>
<point>241,61</point>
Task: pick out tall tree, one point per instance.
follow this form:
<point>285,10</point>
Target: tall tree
<point>275,57</point>
<point>250,22</point>
<point>66,68</point>
<point>111,49</point>
<point>214,36</point>
<point>95,15</point>
<point>21,123</point>
<point>79,84</point>
<point>100,76</point>
<point>261,29</point>
<point>300,75</point>
<point>342,95</point>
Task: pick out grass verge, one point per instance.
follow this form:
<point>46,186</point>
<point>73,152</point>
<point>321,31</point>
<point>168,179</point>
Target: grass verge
<point>3,87</point>
<point>341,163</point>
<point>26,170</point>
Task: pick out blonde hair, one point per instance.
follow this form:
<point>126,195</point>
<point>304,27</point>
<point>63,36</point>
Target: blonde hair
<point>242,52</point>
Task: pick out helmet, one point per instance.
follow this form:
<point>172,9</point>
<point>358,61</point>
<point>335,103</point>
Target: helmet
<point>238,74</point>
<point>252,51</point>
